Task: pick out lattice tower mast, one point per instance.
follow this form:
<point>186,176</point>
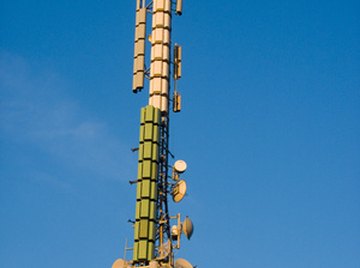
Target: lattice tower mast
<point>154,238</point>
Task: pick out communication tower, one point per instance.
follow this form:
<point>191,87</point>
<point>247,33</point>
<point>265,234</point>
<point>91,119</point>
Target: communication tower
<point>156,233</point>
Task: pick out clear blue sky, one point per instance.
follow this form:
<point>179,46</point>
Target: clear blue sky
<point>270,129</point>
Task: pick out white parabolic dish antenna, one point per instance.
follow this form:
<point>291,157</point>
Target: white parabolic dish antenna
<point>119,263</point>
<point>182,263</point>
<point>179,191</point>
<point>180,166</point>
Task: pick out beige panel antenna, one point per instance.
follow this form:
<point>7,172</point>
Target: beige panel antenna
<point>160,55</point>
<point>139,50</point>
<point>179,7</point>
<point>177,61</point>
<point>176,102</point>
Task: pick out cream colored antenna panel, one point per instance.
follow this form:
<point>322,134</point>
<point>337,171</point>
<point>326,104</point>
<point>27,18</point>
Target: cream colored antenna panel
<point>138,81</point>
<point>159,5</point>
<point>177,61</point>
<point>157,52</point>
<point>139,48</point>
<point>156,69</point>
<point>166,53</point>
<point>165,85</point>
<point>162,5</point>
<point>167,21</point>
<point>158,20</point>
<point>139,64</point>
<point>177,102</point>
<point>155,101</point>
<point>168,6</point>
<point>155,85</point>
<point>164,103</point>
<point>165,70</point>
<point>179,7</point>
<point>166,40</point>
<point>160,52</point>
<point>158,36</point>
<point>164,33</point>
<point>140,32</point>
<point>161,20</point>
<point>141,16</point>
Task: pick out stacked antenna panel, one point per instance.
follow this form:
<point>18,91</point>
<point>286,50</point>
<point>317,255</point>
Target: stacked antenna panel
<point>160,54</point>
<point>146,195</point>
<point>139,50</point>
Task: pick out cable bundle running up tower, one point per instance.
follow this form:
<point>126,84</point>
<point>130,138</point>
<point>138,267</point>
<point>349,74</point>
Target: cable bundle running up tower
<point>155,238</point>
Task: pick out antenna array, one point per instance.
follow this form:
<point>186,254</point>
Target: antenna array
<point>155,239</point>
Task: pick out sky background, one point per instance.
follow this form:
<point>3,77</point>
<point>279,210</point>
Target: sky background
<point>270,129</point>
